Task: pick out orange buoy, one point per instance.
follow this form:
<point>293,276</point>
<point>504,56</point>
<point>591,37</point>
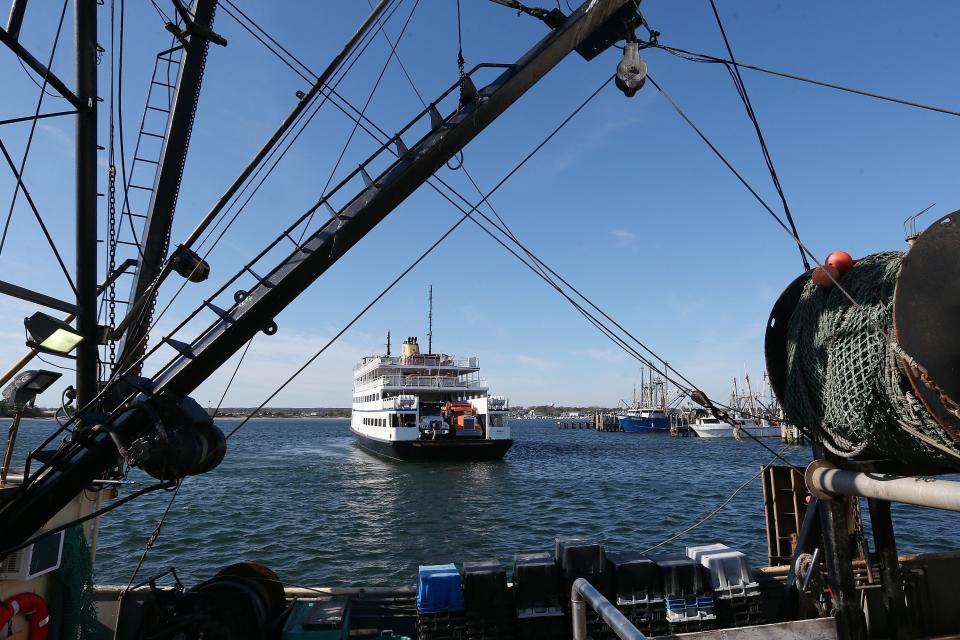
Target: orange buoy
<point>825,276</point>
<point>840,260</point>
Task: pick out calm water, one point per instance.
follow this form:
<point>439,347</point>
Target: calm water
<point>299,497</point>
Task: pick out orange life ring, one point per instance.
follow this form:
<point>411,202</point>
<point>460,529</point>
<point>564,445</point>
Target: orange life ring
<point>33,607</point>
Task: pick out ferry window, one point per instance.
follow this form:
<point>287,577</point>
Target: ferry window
<point>496,421</point>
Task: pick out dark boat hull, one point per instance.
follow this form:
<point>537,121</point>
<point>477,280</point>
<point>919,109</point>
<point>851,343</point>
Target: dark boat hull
<point>463,450</point>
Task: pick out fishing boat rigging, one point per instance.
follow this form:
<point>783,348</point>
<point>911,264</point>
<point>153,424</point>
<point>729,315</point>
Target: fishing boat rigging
<point>188,442</point>
<point>151,421</point>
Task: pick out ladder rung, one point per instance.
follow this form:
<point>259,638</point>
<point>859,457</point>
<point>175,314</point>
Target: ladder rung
<point>128,243</point>
<point>137,186</point>
<point>135,215</point>
<point>177,61</point>
<point>163,84</point>
<point>144,160</point>
<point>152,135</point>
<point>158,109</point>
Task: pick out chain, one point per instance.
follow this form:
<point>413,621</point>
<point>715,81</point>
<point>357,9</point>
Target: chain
<point>910,362</point>
<point>112,214</point>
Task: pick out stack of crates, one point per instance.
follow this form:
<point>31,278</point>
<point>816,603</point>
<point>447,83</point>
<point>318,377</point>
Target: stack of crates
<point>583,557</point>
<point>689,602</point>
<point>490,613</point>
<point>538,597</point>
<point>318,619</point>
<point>736,594</point>
<point>440,606</point>
<point>638,591</point>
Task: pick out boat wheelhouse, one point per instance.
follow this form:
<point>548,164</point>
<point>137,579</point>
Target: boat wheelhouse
<point>427,406</point>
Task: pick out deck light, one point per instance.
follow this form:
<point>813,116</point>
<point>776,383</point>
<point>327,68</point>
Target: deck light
<point>28,385</point>
<point>51,335</point>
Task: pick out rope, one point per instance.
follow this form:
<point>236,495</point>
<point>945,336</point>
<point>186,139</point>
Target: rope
<point>18,173</point>
<point>713,511</point>
<point>702,57</point>
<point>748,105</point>
<point>746,184</point>
<point>419,259</point>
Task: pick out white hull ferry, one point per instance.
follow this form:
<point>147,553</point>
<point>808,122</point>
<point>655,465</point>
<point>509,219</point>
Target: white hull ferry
<point>427,406</point>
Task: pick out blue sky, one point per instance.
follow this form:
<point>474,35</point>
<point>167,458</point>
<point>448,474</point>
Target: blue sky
<point>626,202</point>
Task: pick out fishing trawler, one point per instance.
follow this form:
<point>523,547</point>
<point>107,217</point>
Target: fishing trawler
<point>124,413</point>
<point>427,406</point>
<point>648,411</point>
<point>708,426</point>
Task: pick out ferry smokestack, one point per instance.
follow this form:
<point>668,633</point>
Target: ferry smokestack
<point>410,347</point>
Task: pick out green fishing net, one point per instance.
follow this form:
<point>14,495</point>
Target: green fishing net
<point>70,598</point>
<point>843,371</point>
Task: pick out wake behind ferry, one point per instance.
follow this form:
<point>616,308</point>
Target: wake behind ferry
<point>427,406</point>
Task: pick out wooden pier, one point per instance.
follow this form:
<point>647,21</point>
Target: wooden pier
<point>574,423</point>
<point>606,422</point>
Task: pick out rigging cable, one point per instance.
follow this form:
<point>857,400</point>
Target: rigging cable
<point>746,184</point>
<point>538,268</point>
<point>4,553</point>
<point>748,105</point>
<point>713,511</point>
<point>286,139</point>
<point>420,258</point>
<point>118,375</point>
<point>702,57</point>
<point>363,111</point>
<point>18,174</point>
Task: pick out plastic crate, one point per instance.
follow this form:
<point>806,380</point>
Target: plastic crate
<point>537,584</point>
<point>439,589</point>
<point>318,619</point>
<point>582,557</point>
<point>636,578</point>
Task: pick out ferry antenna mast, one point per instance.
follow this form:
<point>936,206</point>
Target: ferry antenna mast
<point>430,320</point>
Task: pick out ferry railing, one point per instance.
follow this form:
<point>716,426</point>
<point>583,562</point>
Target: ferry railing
<point>422,382</point>
<point>582,593</point>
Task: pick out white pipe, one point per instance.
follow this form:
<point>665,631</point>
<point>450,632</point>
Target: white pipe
<point>824,480</point>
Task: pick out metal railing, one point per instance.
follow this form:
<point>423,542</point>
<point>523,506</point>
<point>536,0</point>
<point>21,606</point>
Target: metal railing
<point>582,594</point>
<point>825,480</point>
<point>422,382</point>
<point>421,360</point>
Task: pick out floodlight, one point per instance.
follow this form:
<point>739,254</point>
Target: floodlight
<point>27,385</point>
<point>51,335</point>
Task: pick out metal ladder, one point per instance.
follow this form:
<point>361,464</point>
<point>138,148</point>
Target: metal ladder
<point>146,155</point>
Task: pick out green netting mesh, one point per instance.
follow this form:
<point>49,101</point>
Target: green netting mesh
<point>73,615</point>
<point>843,371</point>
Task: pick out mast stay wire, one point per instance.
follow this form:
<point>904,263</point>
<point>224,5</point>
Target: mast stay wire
<point>118,374</point>
<point>331,85</point>
<point>288,139</point>
<point>746,184</point>
<point>709,59</point>
<point>423,255</point>
<point>363,111</point>
<point>734,72</point>
<point>536,267</point>
<point>18,174</point>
